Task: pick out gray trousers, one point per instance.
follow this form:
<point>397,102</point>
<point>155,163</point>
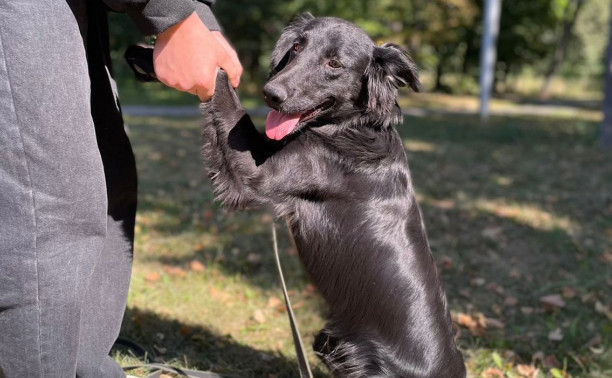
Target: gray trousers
<point>67,193</point>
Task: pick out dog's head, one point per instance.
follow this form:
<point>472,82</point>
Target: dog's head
<point>327,70</point>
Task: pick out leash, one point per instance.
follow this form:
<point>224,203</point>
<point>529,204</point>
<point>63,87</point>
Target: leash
<point>159,369</point>
<point>297,340</point>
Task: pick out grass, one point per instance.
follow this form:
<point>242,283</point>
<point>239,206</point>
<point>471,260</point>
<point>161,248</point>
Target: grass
<point>516,209</point>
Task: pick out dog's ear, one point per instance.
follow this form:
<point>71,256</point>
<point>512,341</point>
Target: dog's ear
<point>390,68</point>
<point>280,55</point>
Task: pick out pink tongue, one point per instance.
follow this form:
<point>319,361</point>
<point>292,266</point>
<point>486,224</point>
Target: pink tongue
<point>278,125</point>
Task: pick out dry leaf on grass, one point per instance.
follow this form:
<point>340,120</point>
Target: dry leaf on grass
<point>275,303</point>
<point>552,302</point>
<point>568,292</point>
<point>603,309</point>
<point>492,372</point>
<point>510,301</point>
<point>196,266</point>
<point>446,263</point>
<point>494,323</point>
<point>151,277</point>
<point>160,350</point>
<point>259,316</point>
<point>219,295</point>
<point>555,335</point>
<point>527,371</point>
<point>477,324</point>
<point>477,281</point>
<point>174,271</point>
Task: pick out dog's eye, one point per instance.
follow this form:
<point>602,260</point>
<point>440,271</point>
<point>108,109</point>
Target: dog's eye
<point>296,47</point>
<point>334,63</point>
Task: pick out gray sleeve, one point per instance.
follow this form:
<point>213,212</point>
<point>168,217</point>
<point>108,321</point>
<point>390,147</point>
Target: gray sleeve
<point>155,16</point>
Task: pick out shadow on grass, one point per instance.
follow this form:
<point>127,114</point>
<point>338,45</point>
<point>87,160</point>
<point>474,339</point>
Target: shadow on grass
<point>201,348</point>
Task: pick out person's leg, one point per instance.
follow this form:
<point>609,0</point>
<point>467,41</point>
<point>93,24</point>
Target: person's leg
<point>52,188</point>
<point>106,295</point>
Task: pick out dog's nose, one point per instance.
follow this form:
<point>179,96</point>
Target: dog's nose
<point>274,94</point>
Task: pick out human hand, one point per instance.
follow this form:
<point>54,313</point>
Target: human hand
<point>187,57</point>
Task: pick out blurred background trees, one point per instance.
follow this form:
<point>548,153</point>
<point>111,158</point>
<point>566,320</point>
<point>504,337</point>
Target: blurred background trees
<point>541,42</point>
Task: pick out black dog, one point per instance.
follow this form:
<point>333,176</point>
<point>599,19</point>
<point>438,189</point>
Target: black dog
<point>334,166</point>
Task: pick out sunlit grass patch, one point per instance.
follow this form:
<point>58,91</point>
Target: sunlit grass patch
<point>528,214</point>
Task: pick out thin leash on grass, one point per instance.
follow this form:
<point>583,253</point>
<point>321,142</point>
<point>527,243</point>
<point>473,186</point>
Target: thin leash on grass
<point>304,367</point>
<point>297,340</point>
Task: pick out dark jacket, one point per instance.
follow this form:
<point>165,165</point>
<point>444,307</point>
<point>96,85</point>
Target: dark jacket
<point>155,16</point>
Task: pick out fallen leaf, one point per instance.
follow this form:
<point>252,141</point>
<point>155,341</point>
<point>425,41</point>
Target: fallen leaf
<point>497,310</point>
<point>494,323</point>
<point>478,281</point>
<point>465,293</point>
<point>174,271</point>
<point>527,371</point>
<point>153,276</point>
<point>588,297</point>
<point>196,266</point>
<point>514,273</point>
<point>259,316</point>
<point>492,372</point>
<point>527,310</point>
<point>274,302</point>
<point>160,350</point>
<point>555,335</point>
<point>603,309</point>
<point>552,302</point>
<point>510,301</point>
<point>568,292</point>
<point>465,321</point>
<point>219,295</point>
<point>253,258</point>
<point>446,263</point>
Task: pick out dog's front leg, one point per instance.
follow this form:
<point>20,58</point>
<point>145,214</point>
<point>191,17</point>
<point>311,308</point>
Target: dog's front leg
<point>233,149</point>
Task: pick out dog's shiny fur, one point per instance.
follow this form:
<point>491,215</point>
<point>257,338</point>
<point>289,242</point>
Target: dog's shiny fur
<point>342,181</point>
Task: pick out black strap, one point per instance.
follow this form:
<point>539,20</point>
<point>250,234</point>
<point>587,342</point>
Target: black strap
<point>297,340</point>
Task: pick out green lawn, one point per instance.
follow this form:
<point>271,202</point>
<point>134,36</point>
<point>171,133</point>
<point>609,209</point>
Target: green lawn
<point>516,210</point>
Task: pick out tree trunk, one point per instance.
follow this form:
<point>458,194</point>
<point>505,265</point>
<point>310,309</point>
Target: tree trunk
<point>606,125</point>
<point>569,20</point>
<point>439,72</point>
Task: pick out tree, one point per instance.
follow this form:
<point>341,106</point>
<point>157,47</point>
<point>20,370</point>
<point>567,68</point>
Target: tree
<point>606,125</point>
<point>572,9</point>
